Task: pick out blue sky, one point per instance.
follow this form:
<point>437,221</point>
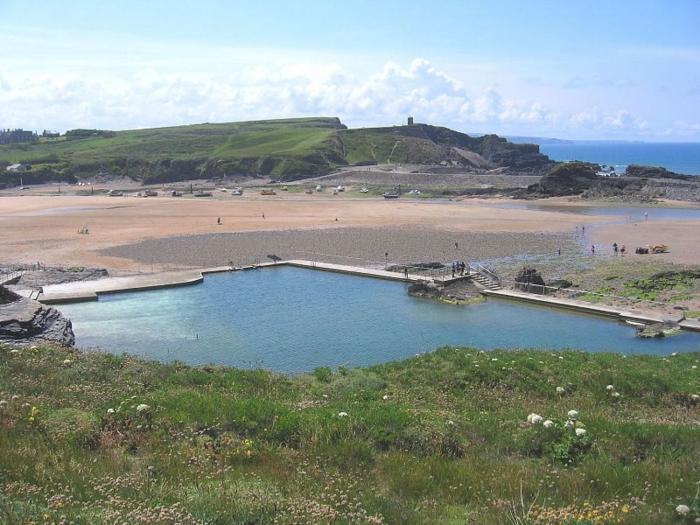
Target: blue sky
<point>589,70</point>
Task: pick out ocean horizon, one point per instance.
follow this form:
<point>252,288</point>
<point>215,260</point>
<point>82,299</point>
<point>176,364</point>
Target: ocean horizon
<point>680,157</point>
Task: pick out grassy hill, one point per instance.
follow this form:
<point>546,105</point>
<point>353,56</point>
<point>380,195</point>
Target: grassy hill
<point>287,149</point>
<point>92,438</point>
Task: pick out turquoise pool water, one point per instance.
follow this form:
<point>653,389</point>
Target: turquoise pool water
<point>293,320</point>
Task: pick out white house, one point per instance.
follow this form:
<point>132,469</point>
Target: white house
<point>18,168</point>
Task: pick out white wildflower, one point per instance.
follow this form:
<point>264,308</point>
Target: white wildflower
<point>142,407</point>
<point>609,388</point>
<point>616,394</point>
<point>14,352</point>
<point>694,367</point>
<point>695,397</point>
<point>67,362</point>
<point>450,422</point>
<point>110,411</point>
<point>3,403</point>
<point>342,414</point>
<point>674,354</point>
<point>385,397</point>
<point>560,390</point>
<point>15,397</point>
<point>548,423</point>
<point>494,359</point>
<point>573,414</point>
<point>535,419</point>
<point>569,424</point>
<point>33,347</point>
<point>580,431</point>
<point>683,510</point>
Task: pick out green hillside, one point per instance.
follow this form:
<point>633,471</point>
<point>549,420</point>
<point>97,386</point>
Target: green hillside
<point>287,149</point>
<point>442,438</point>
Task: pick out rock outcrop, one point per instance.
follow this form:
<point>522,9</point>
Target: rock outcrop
<point>640,184</point>
<point>529,280</point>
<point>654,172</point>
<point>24,321</point>
<point>570,178</point>
<point>457,292</point>
<point>55,275</point>
<point>654,330</point>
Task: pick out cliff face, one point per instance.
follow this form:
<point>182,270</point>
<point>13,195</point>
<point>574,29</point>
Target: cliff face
<point>24,321</point>
<point>571,178</point>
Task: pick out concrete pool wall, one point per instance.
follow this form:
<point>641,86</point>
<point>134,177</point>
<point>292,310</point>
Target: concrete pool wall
<point>90,290</point>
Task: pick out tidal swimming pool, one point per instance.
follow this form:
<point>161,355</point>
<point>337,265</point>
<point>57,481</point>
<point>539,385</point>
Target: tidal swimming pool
<point>293,320</point>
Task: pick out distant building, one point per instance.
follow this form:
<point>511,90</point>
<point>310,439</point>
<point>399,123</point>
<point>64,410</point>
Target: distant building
<point>16,136</point>
<point>18,168</point>
<point>50,134</point>
<point>410,121</point>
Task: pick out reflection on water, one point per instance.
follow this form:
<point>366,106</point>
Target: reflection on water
<point>631,213</point>
<point>293,320</point>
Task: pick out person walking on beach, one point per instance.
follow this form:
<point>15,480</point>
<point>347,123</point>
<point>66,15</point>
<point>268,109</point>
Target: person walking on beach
<point>263,215</point>
<point>454,268</point>
<point>615,248</point>
<point>218,221</point>
<point>623,250</point>
<point>405,272</point>
<point>592,249</point>
<point>559,252</point>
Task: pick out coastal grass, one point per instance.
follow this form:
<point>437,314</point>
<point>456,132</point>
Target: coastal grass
<point>90,437</point>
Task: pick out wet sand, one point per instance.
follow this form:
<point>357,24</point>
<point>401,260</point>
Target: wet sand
<point>44,228</point>
<point>365,247</point>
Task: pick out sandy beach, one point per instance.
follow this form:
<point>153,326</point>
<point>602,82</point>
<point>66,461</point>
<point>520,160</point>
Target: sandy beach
<point>127,233</point>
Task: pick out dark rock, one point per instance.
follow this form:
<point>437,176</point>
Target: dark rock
<point>25,321</point>
<point>654,172</point>
<point>571,178</point>
<point>457,292</point>
<point>655,330</point>
<point>529,280</point>
<point>8,296</point>
<point>48,275</point>
<point>415,267</point>
<point>560,283</point>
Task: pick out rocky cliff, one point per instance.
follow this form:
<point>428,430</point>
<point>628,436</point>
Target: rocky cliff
<point>580,178</point>
<point>24,321</point>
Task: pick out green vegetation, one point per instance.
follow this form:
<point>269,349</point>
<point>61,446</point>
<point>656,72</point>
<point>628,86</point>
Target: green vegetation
<point>275,148</point>
<point>283,149</point>
<point>440,438</point>
<point>649,289</point>
<point>639,279</point>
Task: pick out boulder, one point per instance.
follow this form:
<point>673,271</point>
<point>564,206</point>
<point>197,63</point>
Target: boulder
<point>529,280</point>
<point>655,330</point>
<point>24,321</point>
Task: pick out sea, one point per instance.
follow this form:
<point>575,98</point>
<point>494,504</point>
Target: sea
<point>679,157</point>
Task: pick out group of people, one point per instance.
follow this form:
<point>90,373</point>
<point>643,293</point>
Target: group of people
<point>458,268</point>
<point>617,249</point>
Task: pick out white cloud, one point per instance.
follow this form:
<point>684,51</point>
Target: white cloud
<point>153,97</point>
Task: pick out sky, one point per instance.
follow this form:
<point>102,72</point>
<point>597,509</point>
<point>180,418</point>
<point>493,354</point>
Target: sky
<point>567,69</point>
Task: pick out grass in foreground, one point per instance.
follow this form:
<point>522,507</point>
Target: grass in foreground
<point>441,438</point>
